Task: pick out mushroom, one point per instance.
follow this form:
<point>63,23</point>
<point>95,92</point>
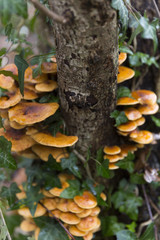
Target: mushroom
<point>95,211</point>
<point>27,113</point>
<point>86,201</point>
<point>89,236</point>
<point>60,140</point>
<point>7,82</point>
<point>142,137</point>
<point>140,121</point>
<point>127,127</point>
<point>25,212</point>
<point>19,140</point>
<point>85,213</point>
<point>56,213</point>
<point>49,203</point>
<point>145,96</point>
<point>28,225</point>
<point>113,158</point>
<point>76,232</point>
<point>69,218</point>
<point>44,151</point>
<point>57,191</point>
<point>73,207</point>
<point>29,94</point>
<point>63,205</point>
<point>36,233</point>
<point>122,57</point>
<point>147,109</point>
<point>12,97</point>
<point>47,193</point>
<point>46,86</point>
<point>126,101</point>
<point>87,224</point>
<point>124,73</point>
<point>112,166</point>
<point>112,150</point>
<point>132,114</point>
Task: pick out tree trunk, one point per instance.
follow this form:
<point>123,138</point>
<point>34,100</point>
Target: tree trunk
<point>87,56</point>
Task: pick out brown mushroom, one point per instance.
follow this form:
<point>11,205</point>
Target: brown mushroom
<point>12,98</point>
<point>28,225</point>
<point>145,96</point>
<point>73,207</point>
<point>25,212</point>
<point>48,67</point>
<point>76,232</point>
<point>46,86</point>
<point>126,101</point>
<point>127,127</point>
<point>132,114</point>
<point>112,150</point>
<point>87,224</point>
<point>86,201</point>
<point>148,109</point>
<point>69,218</point>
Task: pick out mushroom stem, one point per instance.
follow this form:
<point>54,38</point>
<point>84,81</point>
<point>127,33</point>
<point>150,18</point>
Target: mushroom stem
<point>57,219</point>
<point>85,163</point>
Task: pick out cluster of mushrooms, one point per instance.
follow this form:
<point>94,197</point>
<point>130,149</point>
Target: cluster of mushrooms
<point>23,118</point>
<point>142,102</point>
<point>79,215</point>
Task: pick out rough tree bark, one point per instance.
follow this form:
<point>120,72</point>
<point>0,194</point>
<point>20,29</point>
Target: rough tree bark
<point>87,54</point>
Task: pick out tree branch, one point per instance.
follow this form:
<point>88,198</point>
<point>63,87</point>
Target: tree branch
<point>4,222</point>
<point>55,17</point>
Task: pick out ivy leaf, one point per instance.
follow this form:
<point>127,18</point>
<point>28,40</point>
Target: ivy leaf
<point>70,164</point>
<point>126,235</point>
<point>149,233</point>
<point>123,92</point>
<point>125,49</point>
<point>127,163</point>
<point>156,121</point>
<point>16,7</point>
<point>50,230</point>
<point>22,65</point>
<point>8,74</point>
<point>52,164</point>
<point>72,190</point>
<point>1,123</point>
<point>10,193</point>
<point>6,159</point>
<point>137,178</point>
<point>123,12</point>
<point>33,196</point>
<point>139,58</point>
<point>119,117</point>
<point>102,169</point>
<point>113,226</point>
<point>132,226</point>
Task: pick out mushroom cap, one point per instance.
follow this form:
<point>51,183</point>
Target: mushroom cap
<point>86,201</point>
<point>19,140</point>
<point>143,137</point>
<point>112,166</point>
<point>48,67</point>
<point>112,150</point>
<point>76,232</point>
<point>13,97</point>
<point>132,114</point>
<point>28,225</point>
<point>69,218</point>
<point>140,121</point>
<point>85,213</point>
<point>126,101</point>
<point>44,151</point>
<point>73,207</point>
<point>95,211</point>
<point>123,133</point>
<point>148,109</point>
<point>27,154</point>
<point>49,203</point>
<point>29,94</point>
<point>56,213</point>
<point>31,130</point>
<point>89,236</point>
<point>27,113</point>
<point>28,74</point>
<point>46,193</point>
<point>60,140</point>
<point>25,212</point>
<point>63,177</point>
<point>7,82</point>
<point>57,191</point>
<point>128,148</point>
<point>124,73</point>
<point>46,86</point>
<point>16,125</point>
<point>122,57</point>
<point>87,224</point>
<point>127,127</point>
<point>145,96</point>
<point>103,196</point>
<point>21,195</point>
<point>4,113</point>
<point>36,233</point>
<point>113,158</point>
<point>62,205</point>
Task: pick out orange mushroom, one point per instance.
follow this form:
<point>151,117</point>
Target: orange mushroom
<point>145,96</point>
<point>86,201</point>
<point>124,73</point>
<point>122,57</point>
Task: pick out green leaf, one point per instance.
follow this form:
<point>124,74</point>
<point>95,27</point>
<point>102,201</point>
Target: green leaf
<point>125,49</point>
<point>12,221</point>
<point>33,197</point>
<point>123,12</point>
<point>149,233</point>
<point>137,178</point>
<point>6,159</point>
<point>127,163</point>
<point>139,58</point>
<point>2,51</point>
<point>8,30</point>
<point>132,226</point>
<point>102,169</point>
<point>52,164</point>
<point>71,164</point>
<point>156,121</point>
<point>8,74</point>
<point>113,226</point>
<point>12,7</point>
<point>1,123</point>
<point>123,92</point>
<point>126,235</point>
<point>10,193</point>
<point>119,117</point>
<point>22,65</point>
<point>72,190</point>
<point>50,230</point>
